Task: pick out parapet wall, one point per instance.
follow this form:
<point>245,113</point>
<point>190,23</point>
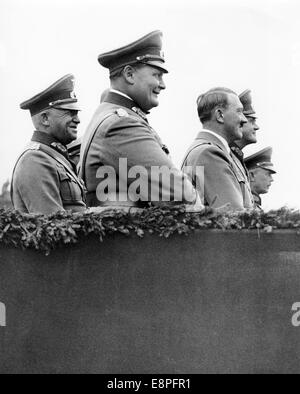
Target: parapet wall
<point>210,302</point>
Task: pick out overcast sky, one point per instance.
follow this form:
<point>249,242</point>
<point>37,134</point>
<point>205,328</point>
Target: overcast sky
<point>237,44</point>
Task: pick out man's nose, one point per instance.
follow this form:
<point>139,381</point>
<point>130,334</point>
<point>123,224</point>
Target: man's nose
<point>243,119</point>
<point>162,84</point>
<point>76,119</point>
<point>256,127</point>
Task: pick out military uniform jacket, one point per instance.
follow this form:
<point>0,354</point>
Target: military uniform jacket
<point>119,129</point>
<point>223,179</point>
<point>257,201</point>
<point>44,181</point>
<point>244,182</point>
<point>240,156</point>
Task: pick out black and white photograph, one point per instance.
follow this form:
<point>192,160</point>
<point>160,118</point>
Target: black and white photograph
<point>149,196</point>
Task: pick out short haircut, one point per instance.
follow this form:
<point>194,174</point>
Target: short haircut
<point>119,72</point>
<point>207,102</point>
<point>37,119</point>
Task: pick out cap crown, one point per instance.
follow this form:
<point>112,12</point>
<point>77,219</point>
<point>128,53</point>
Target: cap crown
<point>147,50</point>
<point>59,95</point>
<point>246,100</point>
<point>261,159</point>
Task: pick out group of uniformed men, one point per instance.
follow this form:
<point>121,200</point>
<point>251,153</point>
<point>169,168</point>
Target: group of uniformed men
<point>48,179</point>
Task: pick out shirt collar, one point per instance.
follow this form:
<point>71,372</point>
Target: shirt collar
<point>222,139</point>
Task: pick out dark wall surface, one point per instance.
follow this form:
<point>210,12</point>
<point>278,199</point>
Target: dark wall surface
<point>210,302</point>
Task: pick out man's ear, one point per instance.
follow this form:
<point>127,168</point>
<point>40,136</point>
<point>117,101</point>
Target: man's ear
<point>45,119</point>
<point>219,115</point>
<point>128,73</point>
<point>251,176</point>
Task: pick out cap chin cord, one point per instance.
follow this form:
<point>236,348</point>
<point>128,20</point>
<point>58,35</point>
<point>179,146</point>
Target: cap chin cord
<point>65,101</point>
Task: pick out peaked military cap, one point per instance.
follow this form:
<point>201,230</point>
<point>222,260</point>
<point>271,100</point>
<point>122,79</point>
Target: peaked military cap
<point>246,100</point>
<point>147,50</point>
<point>59,95</point>
<point>261,159</point>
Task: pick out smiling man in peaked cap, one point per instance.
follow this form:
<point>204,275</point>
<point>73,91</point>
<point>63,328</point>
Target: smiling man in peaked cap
<point>119,129</point>
<point>44,179</point>
<point>147,50</point>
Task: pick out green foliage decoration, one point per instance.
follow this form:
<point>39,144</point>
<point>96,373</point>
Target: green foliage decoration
<point>46,233</point>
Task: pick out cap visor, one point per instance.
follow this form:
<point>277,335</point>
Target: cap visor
<point>72,106</point>
<point>268,169</point>
<point>157,64</point>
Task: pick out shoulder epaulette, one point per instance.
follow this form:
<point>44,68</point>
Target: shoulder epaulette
<point>32,146</point>
<point>122,113</point>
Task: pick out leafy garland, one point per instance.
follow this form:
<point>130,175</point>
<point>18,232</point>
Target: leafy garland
<point>46,233</point>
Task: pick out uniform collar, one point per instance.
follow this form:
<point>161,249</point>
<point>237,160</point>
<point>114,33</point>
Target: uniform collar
<point>257,199</point>
<point>219,137</point>
<point>239,154</point>
<point>120,98</point>
<point>120,93</point>
<point>43,138</point>
<point>237,151</point>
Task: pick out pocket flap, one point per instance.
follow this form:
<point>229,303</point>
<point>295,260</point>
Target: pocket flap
<point>63,175</point>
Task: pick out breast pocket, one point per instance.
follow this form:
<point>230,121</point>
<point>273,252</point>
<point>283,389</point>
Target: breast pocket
<point>69,188</point>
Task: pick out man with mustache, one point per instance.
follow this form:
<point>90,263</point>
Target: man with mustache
<point>44,179</point>
<point>221,114</point>
<point>260,169</point>
<point>120,139</point>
